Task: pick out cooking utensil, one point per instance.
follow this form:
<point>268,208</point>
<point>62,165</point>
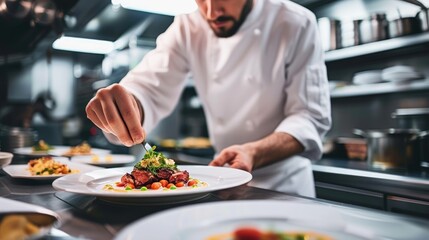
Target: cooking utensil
<point>404,26</point>
<point>146,146</point>
<point>395,149</point>
<point>330,32</point>
<point>416,118</point>
<point>373,28</point>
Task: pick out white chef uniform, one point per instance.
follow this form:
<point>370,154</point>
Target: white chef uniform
<point>268,77</point>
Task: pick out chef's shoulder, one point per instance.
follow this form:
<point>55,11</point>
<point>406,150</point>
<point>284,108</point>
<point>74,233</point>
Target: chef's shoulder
<point>291,13</point>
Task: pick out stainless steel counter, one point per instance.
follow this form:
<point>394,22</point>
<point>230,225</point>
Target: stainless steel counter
<point>90,218</point>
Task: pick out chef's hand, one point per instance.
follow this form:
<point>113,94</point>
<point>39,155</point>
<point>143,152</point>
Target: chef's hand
<point>114,110</point>
<point>236,156</point>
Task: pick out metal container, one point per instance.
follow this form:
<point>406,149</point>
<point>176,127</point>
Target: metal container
<point>404,26</point>
<point>424,149</point>
<point>15,137</point>
<point>415,118</point>
<point>392,149</point>
<point>373,28</point>
<point>330,33</point>
<point>423,17</point>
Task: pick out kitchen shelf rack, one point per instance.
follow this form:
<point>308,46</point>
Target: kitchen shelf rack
<point>376,47</point>
<point>379,88</point>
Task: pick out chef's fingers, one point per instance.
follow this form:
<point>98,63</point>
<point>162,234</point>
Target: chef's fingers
<point>128,109</point>
<point>94,112</point>
<point>113,117</point>
<point>223,158</point>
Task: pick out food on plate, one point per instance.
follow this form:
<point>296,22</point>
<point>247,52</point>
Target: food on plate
<point>97,159</point>
<point>13,227</point>
<point>155,172</point>
<point>48,166</point>
<point>254,233</point>
<point>168,143</point>
<point>82,149</point>
<point>195,142</point>
<point>41,146</point>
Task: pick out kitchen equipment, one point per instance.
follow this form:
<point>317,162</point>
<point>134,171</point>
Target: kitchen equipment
<point>356,148</point>
<point>404,26</point>
<point>373,28</point>
<point>424,149</point>
<point>15,137</point>
<point>392,149</point>
<point>400,73</point>
<point>17,9</point>
<point>422,15</point>
<point>416,118</point>
<point>330,32</point>
<point>367,77</point>
<point>349,33</point>
<point>5,159</point>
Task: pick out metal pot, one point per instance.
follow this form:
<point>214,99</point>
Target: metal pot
<point>374,28</point>
<point>330,33</point>
<point>404,26</point>
<point>415,118</point>
<point>392,149</point>
<point>423,17</point>
<point>15,137</point>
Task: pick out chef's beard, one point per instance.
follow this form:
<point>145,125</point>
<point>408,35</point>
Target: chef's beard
<point>228,32</point>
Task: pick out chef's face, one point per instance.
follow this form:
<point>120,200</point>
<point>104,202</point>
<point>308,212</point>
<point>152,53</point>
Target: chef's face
<point>225,16</point>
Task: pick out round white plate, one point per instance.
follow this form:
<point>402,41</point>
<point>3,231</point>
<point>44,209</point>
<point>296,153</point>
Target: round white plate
<point>29,151</point>
<point>201,221</point>
<point>60,151</point>
<point>92,183</point>
<point>21,170</point>
<point>105,160</point>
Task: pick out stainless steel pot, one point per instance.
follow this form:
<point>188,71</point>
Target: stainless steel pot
<point>404,26</point>
<point>15,137</point>
<point>374,28</point>
<point>330,33</point>
<point>392,149</point>
<point>415,118</point>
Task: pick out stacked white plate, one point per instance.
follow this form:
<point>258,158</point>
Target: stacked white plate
<point>367,77</point>
<point>400,73</point>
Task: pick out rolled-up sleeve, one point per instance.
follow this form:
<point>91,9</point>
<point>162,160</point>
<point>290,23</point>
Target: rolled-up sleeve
<point>307,106</point>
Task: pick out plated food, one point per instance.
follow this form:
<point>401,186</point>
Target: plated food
<point>41,146</point>
<point>246,219</point>
<point>155,172</point>
<point>105,160</point>
<point>19,220</point>
<point>16,226</point>
<point>255,233</point>
<point>82,149</point>
<point>48,166</point>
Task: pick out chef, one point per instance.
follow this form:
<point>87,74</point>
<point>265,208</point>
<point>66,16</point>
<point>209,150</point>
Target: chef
<point>259,72</point>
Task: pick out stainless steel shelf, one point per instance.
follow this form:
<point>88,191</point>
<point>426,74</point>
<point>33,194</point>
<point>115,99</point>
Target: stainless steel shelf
<point>376,47</point>
<point>379,88</point>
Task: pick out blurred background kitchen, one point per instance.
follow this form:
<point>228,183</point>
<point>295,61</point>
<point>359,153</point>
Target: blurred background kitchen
<point>376,55</point>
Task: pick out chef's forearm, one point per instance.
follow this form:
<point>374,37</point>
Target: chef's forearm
<point>273,148</point>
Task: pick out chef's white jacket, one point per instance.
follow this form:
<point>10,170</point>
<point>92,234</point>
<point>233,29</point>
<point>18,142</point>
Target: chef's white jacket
<point>268,77</point>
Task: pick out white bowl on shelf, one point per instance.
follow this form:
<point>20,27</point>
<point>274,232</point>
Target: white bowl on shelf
<point>5,159</point>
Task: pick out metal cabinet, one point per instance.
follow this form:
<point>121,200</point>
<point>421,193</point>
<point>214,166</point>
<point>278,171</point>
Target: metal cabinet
<point>407,206</point>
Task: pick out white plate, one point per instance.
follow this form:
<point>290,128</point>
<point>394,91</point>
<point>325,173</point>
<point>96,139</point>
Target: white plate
<point>43,217</point>
<point>105,160</point>
<point>29,151</point>
<point>92,183</point>
<point>21,170</point>
<point>200,221</point>
<point>61,150</point>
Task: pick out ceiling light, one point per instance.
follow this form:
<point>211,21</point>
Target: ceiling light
<point>83,45</point>
<point>165,7</point>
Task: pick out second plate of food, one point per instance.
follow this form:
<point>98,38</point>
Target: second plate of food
<point>107,160</point>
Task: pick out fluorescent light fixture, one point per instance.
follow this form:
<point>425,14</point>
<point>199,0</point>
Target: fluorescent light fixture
<point>83,45</point>
<point>164,7</point>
